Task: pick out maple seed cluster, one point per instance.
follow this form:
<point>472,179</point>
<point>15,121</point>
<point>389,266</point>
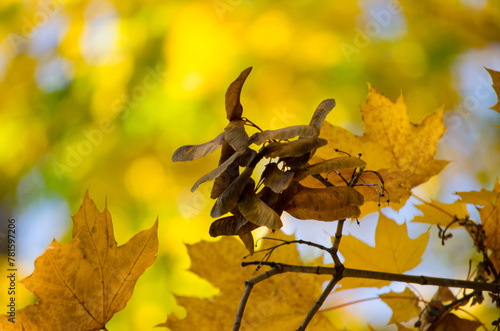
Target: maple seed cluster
<point>282,185</point>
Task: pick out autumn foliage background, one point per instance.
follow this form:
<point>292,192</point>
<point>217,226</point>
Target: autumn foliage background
<point>97,95</point>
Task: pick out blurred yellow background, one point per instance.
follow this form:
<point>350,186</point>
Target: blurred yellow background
<point>98,94</point>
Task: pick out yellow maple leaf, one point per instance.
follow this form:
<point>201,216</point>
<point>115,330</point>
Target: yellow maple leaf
<point>489,213</point>
<point>278,303</point>
<point>394,252</point>
<point>402,151</point>
<point>442,214</point>
<point>495,77</point>
<point>404,305</point>
<point>83,283</point>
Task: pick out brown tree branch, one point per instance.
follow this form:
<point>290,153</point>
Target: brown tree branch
<point>367,274</point>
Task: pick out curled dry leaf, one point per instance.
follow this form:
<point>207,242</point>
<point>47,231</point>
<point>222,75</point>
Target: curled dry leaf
<point>229,198</point>
<point>293,148</point>
<point>193,152</point>
<point>320,114</point>
<point>216,172</point>
<point>276,179</point>
<point>256,211</point>
<point>304,131</point>
<point>236,136</point>
<point>325,204</point>
<point>233,105</point>
<point>338,163</point>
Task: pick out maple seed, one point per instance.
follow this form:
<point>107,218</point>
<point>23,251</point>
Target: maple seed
<point>233,105</point>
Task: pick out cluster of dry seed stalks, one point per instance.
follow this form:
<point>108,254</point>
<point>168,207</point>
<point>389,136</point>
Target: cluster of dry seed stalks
<point>283,184</point>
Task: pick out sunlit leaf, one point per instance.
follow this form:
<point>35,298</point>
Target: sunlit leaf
<point>236,136</point>
<point>233,105</point>
<point>325,204</point>
<point>495,76</point>
<point>276,179</point>
<point>281,302</point>
<point>320,113</point>
<point>192,152</point>
<point>391,143</point>
<point>293,148</point>
<point>256,211</point>
<point>489,213</point>
<point>83,283</point>
<point>304,131</point>
<point>394,252</point>
<point>404,305</point>
<point>442,214</point>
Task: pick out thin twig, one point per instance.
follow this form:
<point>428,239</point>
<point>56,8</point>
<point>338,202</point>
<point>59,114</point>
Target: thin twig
<point>334,249</point>
<point>319,302</point>
<point>270,250</point>
<point>248,288</point>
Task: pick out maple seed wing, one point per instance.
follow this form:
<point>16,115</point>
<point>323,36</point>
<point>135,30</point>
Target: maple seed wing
<point>193,152</point>
<point>231,173</point>
<point>236,136</point>
<point>227,226</point>
<point>325,204</point>
<point>304,131</point>
<point>229,198</point>
<point>293,148</point>
<point>339,163</point>
<point>216,172</point>
<point>256,211</point>
<point>276,179</point>
<point>320,114</point>
<point>233,105</point>
<point>247,239</point>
